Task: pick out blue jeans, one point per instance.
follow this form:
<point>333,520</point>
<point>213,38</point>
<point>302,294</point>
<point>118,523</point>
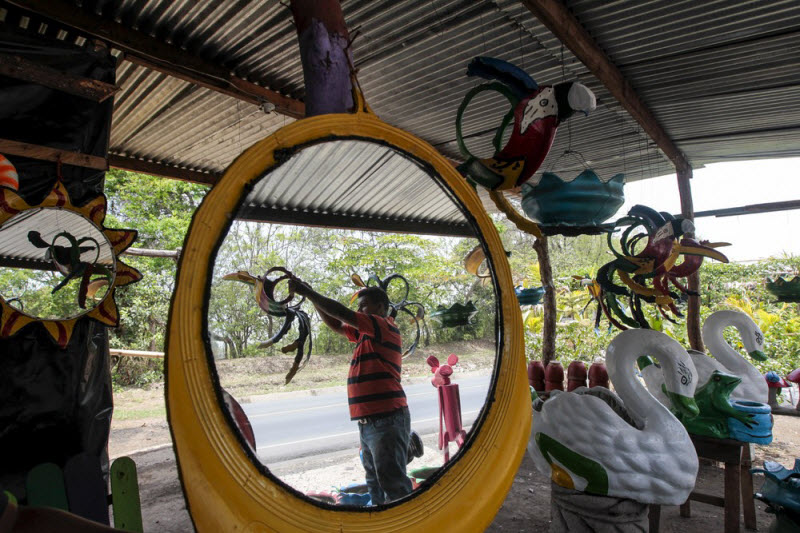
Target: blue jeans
<point>384,454</point>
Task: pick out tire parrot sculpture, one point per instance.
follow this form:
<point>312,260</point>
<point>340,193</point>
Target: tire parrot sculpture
<point>647,264</point>
<point>402,306</point>
<point>264,292</point>
<point>536,112</point>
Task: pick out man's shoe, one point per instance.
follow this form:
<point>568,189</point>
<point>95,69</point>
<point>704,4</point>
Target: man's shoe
<point>415,447</point>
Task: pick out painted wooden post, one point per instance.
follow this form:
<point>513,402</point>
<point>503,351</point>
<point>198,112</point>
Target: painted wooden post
<point>693,329</point>
<point>549,301</point>
<point>323,38</point>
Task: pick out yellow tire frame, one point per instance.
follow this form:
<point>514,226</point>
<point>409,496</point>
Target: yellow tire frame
<point>225,490</point>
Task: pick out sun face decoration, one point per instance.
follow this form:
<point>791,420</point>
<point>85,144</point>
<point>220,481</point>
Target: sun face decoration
<point>93,264</point>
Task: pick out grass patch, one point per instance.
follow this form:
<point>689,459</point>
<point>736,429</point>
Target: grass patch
<point>137,414</point>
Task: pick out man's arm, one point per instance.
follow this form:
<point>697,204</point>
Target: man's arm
<point>331,312</point>
<point>333,323</point>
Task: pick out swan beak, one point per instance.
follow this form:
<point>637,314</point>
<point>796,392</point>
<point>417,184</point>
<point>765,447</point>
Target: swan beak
<point>758,355</point>
<point>685,405</point>
<point>534,394</point>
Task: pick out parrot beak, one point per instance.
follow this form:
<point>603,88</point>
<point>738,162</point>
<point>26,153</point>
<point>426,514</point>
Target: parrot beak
<point>242,276</point>
<point>696,248</point>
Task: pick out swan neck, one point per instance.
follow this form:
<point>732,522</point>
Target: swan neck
<point>643,406</point>
<point>722,351</point>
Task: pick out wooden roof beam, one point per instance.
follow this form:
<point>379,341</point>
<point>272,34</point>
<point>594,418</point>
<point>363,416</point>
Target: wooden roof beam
<point>155,168</point>
<point>563,24</point>
<point>147,51</point>
<point>20,68</point>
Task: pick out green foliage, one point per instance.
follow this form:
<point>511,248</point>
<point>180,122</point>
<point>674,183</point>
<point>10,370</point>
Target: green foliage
<point>326,259</point>
<point>724,286</point>
<point>135,372</point>
<point>742,287</point>
<point>161,210</point>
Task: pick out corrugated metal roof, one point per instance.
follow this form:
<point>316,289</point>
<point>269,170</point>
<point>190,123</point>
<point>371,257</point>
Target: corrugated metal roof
<point>328,183</point>
<point>50,223</point>
<point>722,76</point>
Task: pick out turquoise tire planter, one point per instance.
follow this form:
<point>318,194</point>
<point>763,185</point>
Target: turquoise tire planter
<point>760,431</point>
<point>785,291</point>
<point>456,315</point>
<point>531,296</point>
<point>584,202</point>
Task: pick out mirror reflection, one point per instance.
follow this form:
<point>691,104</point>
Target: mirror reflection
<point>56,263</point>
<point>337,368</point>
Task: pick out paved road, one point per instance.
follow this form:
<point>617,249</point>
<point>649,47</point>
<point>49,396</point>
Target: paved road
<point>298,426</point>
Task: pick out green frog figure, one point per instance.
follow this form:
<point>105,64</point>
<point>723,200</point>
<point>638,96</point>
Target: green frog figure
<point>713,400</point>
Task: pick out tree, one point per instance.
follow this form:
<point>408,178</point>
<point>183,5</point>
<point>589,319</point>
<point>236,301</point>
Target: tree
<point>161,210</point>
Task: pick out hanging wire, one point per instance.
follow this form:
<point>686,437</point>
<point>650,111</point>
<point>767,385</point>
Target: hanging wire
<point>639,148</point>
<point>563,80</point>
<point>624,149</point>
<point>441,22</point>
<point>521,48</point>
<point>239,125</point>
<point>483,33</point>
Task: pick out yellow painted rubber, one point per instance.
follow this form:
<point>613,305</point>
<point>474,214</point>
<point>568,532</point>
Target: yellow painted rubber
<point>522,223</point>
<point>225,491</point>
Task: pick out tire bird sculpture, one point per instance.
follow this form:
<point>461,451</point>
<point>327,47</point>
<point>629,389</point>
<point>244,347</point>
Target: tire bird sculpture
<point>647,264</point>
<point>264,292</point>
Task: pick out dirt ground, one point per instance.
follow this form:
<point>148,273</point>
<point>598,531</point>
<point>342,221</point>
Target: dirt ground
<point>526,507</point>
<point>140,430</point>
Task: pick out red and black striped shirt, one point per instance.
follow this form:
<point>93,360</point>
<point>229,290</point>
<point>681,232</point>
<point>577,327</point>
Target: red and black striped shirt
<point>373,383</point>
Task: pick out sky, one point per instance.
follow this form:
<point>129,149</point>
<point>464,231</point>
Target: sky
<point>733,184</point>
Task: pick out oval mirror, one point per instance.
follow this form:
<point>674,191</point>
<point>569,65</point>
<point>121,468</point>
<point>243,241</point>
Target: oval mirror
<point>302,430</point>
<point>311,198</point>
<point>56,264</point>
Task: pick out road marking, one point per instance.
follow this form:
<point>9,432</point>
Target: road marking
<point>259,448</point>
<point>337,405</point>
<point>307,440</point>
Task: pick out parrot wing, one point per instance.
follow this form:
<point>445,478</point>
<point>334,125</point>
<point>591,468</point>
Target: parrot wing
<point>514,77</point>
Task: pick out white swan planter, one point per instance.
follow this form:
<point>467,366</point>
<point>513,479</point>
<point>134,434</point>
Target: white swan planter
<point>753,387</point>
<point>636,449</point>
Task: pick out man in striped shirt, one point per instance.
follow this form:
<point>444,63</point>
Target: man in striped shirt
<point>374,392</point>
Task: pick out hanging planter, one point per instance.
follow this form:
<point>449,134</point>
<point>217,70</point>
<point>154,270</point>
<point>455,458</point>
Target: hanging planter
<point>573,207</point>
<point>532,296</point>
<point>456,315</point>
<point>783,290</point>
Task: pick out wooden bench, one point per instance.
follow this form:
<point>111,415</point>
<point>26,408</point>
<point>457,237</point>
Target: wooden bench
<point>737,458</point>
<point>79,488</point>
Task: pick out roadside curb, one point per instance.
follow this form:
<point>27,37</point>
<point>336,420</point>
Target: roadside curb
<point>292,394</point>
<point>154,448</point>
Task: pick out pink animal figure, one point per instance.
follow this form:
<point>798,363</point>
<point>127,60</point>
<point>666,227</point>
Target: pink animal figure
<point>536,375</point>
<point>576,375</point>
<point>553,376</point>
<point>450,428</point>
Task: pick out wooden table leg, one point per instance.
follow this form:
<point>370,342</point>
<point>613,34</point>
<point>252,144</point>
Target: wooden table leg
<point>686,509</point>
<point>654,518</point>
<point>748,502</point>
<point>732,490</point>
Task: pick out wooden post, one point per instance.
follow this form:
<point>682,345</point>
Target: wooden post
<point>324,53</point>
<point>549,302</point>
<point>693,329</point>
